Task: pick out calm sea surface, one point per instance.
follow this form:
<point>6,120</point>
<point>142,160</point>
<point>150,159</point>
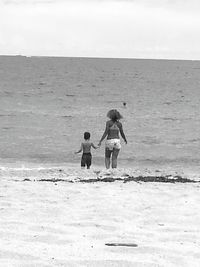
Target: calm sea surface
<point>46,104</point>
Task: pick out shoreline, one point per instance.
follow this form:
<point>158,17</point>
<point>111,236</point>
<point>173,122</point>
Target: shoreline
<point>73,173</point>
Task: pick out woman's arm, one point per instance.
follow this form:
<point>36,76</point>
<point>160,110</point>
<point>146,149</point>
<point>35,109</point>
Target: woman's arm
<point>104,134</point>
<point>122,133</point>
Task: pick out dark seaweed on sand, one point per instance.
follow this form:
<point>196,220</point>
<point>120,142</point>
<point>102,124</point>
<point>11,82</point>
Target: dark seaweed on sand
<point>137,179</point>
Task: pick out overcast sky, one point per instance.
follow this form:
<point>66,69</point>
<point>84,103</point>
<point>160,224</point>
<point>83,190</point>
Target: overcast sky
<point>101,28</point>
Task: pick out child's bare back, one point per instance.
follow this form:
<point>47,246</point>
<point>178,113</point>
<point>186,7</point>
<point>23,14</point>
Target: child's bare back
<point>86,146</point>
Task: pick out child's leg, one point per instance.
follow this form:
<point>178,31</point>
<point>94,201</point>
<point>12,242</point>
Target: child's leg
<point>83,160</point>
<point>88,161</point>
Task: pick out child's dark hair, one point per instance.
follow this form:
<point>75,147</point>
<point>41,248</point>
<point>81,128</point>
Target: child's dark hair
<point>86,135</point>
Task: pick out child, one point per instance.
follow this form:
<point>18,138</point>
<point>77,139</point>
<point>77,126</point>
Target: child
<point>86,147</point>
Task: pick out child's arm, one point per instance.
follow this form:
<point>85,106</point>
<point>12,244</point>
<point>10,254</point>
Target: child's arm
<point>81,148</point>
<point>95,147</point>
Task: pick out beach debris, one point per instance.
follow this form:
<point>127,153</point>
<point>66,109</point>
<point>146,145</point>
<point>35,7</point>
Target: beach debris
<point>72,175</point>
<point>126,179</point>
<point>54,180</point>
<point>160,179</point>
<point>104,179</point>
<point>138,179</point>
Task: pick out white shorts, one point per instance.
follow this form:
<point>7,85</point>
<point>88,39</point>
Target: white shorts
<point>113,143</point>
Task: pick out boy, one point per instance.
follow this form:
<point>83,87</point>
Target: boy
<point>86,147</point>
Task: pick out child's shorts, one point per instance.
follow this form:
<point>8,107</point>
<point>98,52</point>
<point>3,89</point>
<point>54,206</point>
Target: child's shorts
<point>86,160</point>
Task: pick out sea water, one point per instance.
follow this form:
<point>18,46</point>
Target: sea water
<point>46,104</point>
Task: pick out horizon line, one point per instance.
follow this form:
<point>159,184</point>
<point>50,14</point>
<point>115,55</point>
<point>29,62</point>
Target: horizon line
<point>93,57</point>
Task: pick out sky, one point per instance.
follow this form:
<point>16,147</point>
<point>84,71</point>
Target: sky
<point>168,29</point>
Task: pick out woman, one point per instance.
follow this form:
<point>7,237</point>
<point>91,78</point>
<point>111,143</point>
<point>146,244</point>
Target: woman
<point>112,146</point>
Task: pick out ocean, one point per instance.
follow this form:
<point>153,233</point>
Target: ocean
<point>47,103</point>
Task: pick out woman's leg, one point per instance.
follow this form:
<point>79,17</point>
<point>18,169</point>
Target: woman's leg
<point>107,157</point>
<point>114,157</point>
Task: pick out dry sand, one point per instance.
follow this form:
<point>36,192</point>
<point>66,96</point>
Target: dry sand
<point>69,224</point>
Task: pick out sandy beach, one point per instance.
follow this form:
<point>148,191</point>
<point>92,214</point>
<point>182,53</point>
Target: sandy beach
<point>75,223</point>
<point>63,216</point>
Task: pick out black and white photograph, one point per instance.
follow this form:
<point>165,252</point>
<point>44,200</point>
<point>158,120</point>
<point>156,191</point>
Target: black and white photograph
<point>99,133</point>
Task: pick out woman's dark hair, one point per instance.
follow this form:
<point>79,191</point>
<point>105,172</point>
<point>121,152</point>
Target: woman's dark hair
<point>86,135</point>
<point>114,115</point>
